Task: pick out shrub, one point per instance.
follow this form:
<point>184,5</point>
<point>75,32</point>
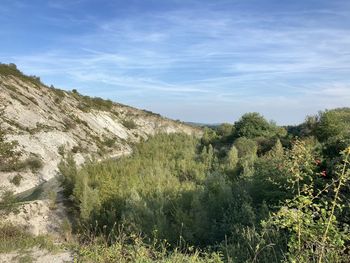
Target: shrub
<point>16,180</point>
<point>66,229</point>
<point>109,142</point>
<point>52,195</point>
<point>8,155</point>
<point>34,163</point>
<point>312,216</point>
<point>61,150</point>
<point>130,124</point>
<point>86,103</point>
<point>69,123</point>
<point>7,201</point>
<point>68,171</point>
<point>252,125</point>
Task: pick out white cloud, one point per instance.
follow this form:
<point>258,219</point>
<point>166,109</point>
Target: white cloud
<point>210,58</point>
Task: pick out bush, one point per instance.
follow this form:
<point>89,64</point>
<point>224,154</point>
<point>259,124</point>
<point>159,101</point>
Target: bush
<point>130,124</point>
<point>66,229</point>
<point>69,123</point>
<point>86,103</point>
<point>52,195</point>
<point>109,142</point>
<point>7,201</point>
<point>61,150</point>
<point>34,163</point>
<point>9,157</point>
<point>16,180</point>
<point>252,125</point>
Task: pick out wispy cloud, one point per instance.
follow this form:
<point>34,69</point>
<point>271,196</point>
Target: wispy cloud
<point>202,55</point>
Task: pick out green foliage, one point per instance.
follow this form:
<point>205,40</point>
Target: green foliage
<point>52,195</point>
<point>66,229</point>
<point>68,170</point>
<point>109,142</point>
<point>87,103</point>
<point>59,94</point>
<point>226,132</point>
<point>130,124</point>
<point>178,196</point>
<point>247,153</point>
<point>333,130</point>
<point>8,202</point>
<point>11,70</point>
<point>34,163</point>
<point>232,159</point>
<point>9,157</point>
<point>135,249</point>
<point>252,125</point>
<point>14,238</point>
<point>209,137</point>
<point>310,216</point>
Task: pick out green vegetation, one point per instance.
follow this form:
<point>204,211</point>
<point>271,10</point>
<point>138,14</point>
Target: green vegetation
<point>33,162</point>
<point>134,249</point>
<point>87,103</point>
<point>248,192</point>
<point>17,238</point>
<point>11,70</point>
<point>10,158</point>
<point>8,202</point>
<point>130,124</point>
<point>16,180</point>
<point>245,192</point>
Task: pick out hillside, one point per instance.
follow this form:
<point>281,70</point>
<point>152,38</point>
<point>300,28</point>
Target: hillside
<point>43,123</point>
<point>46,120</point>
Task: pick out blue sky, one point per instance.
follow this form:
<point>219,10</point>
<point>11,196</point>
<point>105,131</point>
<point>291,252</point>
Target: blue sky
<point>194,60</point>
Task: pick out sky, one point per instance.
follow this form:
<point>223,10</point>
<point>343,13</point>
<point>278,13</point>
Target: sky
<point>206,61</point>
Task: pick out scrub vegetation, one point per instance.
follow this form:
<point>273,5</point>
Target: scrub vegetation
<point>247,192</point>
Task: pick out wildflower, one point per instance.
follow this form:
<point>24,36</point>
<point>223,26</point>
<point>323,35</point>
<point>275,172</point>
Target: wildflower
<point>318,162</point>
<point>323,173</point>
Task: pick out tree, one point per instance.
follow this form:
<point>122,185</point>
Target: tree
<point>333,130</point>
<point>225,131</point>
<point>252,125</point>
<point>247,153</point>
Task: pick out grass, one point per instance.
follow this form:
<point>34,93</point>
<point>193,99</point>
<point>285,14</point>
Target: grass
<point>14,238</point>
<point>134,249</point>
<point>25,258</point>
<point>8,202</point>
